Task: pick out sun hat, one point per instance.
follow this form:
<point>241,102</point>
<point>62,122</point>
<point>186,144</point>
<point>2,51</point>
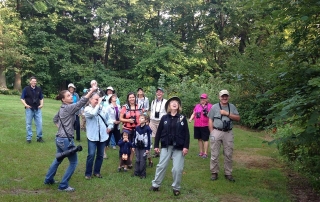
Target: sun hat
<point>171,99</point>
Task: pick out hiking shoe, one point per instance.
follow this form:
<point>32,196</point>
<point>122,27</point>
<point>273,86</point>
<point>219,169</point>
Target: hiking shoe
<point>114,147</point>
<point>51,183</point>
<point>125,170</point>
<point>68,189</point>
<point>119,169</point>
<point>214,176</point>
<point>40,140</point>
<point>204,156</point>
<point>28,141</point>
<point>230,178</point>
<point>87,177</point>
<point>152,188</point>
<point>200,154</point>
<point>176,192</point>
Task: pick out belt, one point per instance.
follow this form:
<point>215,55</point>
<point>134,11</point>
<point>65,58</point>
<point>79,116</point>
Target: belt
<point>222,129</point>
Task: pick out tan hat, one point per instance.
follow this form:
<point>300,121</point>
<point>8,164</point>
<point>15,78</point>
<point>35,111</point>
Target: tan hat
<point>71,85</point>
<point>223,92</point>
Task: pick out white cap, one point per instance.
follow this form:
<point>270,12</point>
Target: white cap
<point>71,85</point>
<point>110,88</point>
<point>223,92</point>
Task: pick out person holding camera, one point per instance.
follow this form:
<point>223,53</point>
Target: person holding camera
<point>141,146</point>
<point>98,130</point>
<point>129,116</point>
<point>157,110</point>
<point>32,99</point>
<point>64,120</point>
<point>75,96</point>
<point>173,133</point>
<point>220,125</point>
<point>201,130</point>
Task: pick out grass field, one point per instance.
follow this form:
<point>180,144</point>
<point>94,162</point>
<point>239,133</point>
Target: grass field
<point>259,175</point>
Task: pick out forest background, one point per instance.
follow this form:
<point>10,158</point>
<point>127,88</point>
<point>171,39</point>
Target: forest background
<point>265,52</point>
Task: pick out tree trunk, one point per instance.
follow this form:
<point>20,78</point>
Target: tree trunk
<point>17,81</point>
<point>3,83</point>
<point>106,56</point>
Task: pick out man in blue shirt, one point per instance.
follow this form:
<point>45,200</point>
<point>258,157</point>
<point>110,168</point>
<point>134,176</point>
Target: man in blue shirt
<point>32,99</point>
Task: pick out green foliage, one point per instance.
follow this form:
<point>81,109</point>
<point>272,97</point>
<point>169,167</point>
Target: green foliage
<point>9,92</point>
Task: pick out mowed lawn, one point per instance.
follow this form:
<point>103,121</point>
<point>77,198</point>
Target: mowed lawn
<point>259,175</point>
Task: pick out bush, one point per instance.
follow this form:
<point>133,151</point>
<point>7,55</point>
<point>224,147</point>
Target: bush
<point>9,92</point>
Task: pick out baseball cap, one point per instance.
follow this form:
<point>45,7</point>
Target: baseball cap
<point>71,85</point>
<point>161,89</point>
<point>204,96</point>
<point>223,92</point>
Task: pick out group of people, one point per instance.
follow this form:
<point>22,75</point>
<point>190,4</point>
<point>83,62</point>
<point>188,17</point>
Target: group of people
<point>160,123</point>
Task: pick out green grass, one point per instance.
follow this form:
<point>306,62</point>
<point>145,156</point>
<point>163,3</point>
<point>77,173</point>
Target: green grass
<point>259,176</point>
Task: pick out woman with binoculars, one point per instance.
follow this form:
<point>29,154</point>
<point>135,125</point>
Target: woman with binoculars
<point>201,130</point>
<point>64,120</point>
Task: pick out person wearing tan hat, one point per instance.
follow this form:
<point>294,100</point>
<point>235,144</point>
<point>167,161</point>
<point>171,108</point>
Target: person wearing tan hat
<point>201,130</point>
<point>157,110</point>
<point>220,124</point>
<point>173,133</point>
<point>75,97</point>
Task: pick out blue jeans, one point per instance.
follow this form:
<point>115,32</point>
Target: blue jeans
<point>37,116</point>
<point>62,144</point>
<point>113,141</point>
<point>94,146</point>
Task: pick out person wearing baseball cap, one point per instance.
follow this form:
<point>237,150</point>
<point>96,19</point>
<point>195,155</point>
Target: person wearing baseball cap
<point>221,117</point>
<point>75,97</point>
<point>201,130</point>
<point>157,110</point>
<point>173,133</point>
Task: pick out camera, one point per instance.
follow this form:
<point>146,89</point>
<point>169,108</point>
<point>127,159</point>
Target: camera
<point>156,115</point>
<point>134,119</point>
<point>205,112</point>
<point>226,125</point>
<point>198,115</point>
<point>60,156</point>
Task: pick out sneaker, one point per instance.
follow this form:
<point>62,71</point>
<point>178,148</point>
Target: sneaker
<point>114,147</point>
<point>40,140</point>
<point>204,156</point>
<point>87,177</point>
<point>200,154</point>
<point>68,189</point>
<point>143,177</point>
<point>105,156</point>
<point>125,170</point>
<point>119,169</point>
<point>98,175</point>
<point>28,141</point>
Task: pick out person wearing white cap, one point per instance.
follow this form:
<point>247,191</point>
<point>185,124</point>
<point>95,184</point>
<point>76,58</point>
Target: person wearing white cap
<point>75,97</point>
<point>220,124</point>
<point>201,130</point>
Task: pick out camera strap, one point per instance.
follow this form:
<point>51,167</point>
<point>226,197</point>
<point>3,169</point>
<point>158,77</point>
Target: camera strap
<point>103,120</point>
<point>64,127</point>
<point>221,109</point>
